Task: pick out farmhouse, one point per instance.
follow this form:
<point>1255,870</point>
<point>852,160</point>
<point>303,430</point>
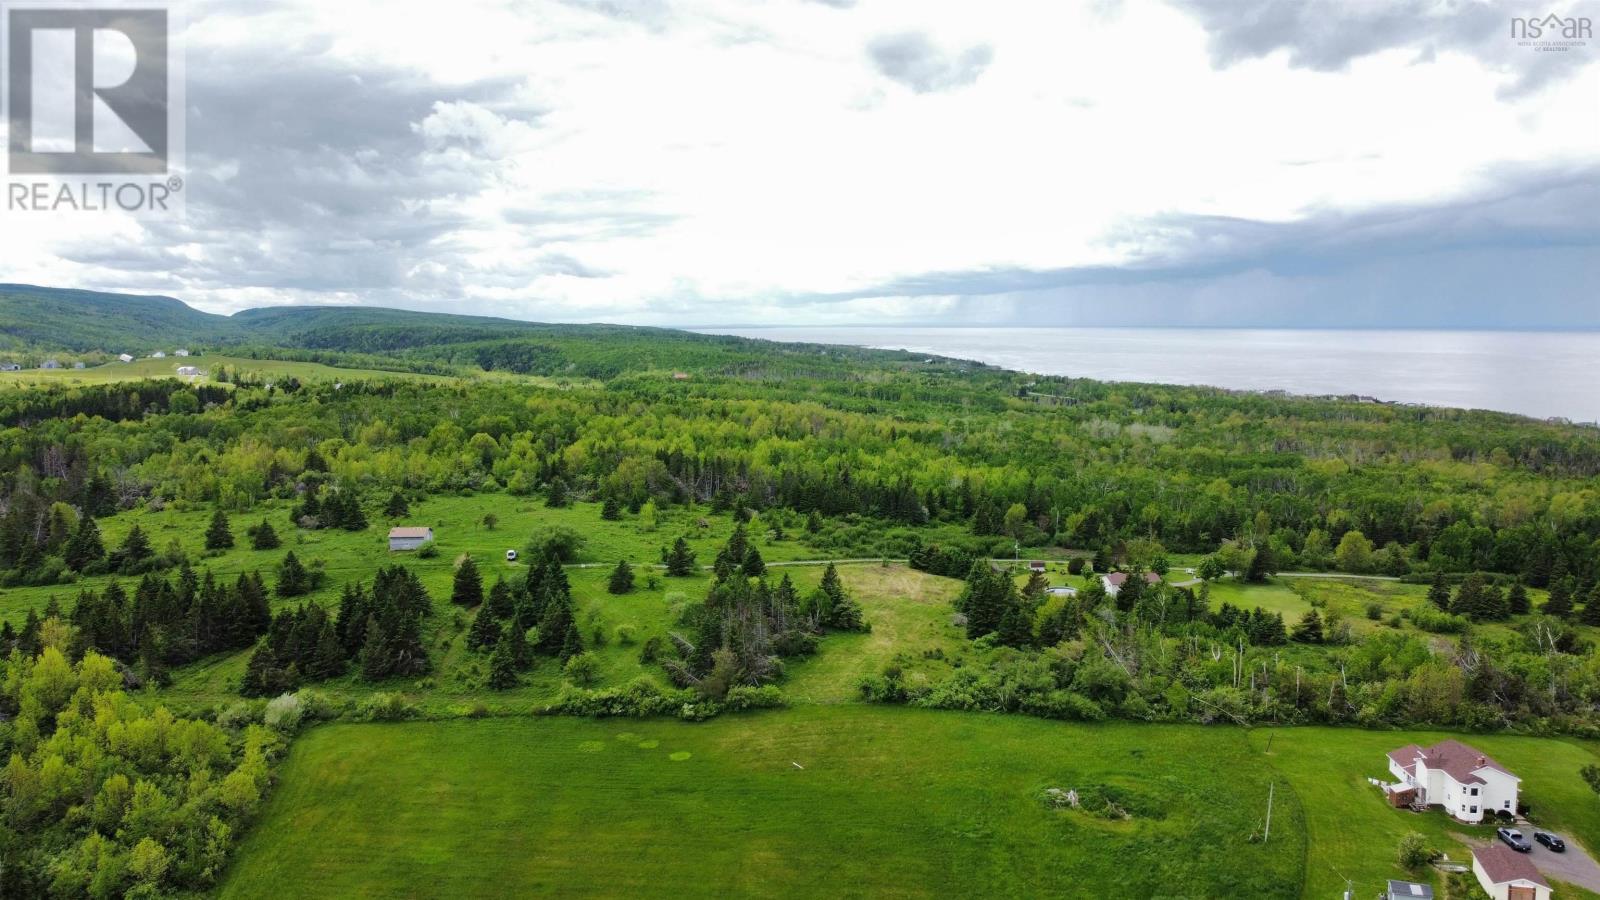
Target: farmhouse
<point>1453,775</point>
<point>180,352</point>
<point>124,357</point>
<point>1507,874</point>
<point>1113,582</point>
<point>409,538</point>
<point>188,371</point>
<point>159,354</point>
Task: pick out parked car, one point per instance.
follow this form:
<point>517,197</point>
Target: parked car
<point>1513,839</point>
<point>511,556</point>
<point>1552,841</point>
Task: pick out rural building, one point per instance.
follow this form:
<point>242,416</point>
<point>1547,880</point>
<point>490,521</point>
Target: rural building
<point>159,354</point>
<point>50,364</point>
<point>1036,566</point>
<point>409,538</point>
<point>1507,874</point>
<point>1451,774</point>
<point>124,357</point>
<point>188,371</point>
<point>1113,581</point>
<point>10,367</point>
<point>1408,890</point>
<point>180,352</point>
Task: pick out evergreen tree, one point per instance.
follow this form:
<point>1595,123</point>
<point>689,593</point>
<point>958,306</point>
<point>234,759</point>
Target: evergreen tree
<point>1261,565</point>
<point>621,578</point>
<point>502,666</point>
<point>293,579</point>
<point>680,559</point>
<point>485,631</point>
<point>556,623</point>
<point>218,536</point>
<point>1591,608</point>
<point>500,602</point>
<point>555,495</point>
<point>375,660</point>
<point>353,518</point>
<point>329,660</point>
<point>468,588</point>
<point>1309,629</point>
<point>1439,592</point>
<point>84,548</point>
<point>611,510</point>
<point>134,552</point>
<point>1517,599</point>
<point>754,566</point>
<point>397,506</point>
<point>263,536</point>
<point>521,653</point>
<point>1560,602</point>
<point>1014,630</point>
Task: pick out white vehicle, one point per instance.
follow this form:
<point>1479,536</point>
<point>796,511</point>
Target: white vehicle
<point>511,556</point>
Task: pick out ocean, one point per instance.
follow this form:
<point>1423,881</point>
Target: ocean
<point>1542,374</point>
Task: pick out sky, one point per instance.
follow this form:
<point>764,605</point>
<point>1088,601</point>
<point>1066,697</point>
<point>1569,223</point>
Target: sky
<point>884,162</point>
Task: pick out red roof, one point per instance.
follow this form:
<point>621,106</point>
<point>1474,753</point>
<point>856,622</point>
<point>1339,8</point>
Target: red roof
<point>1503,864</point>
<point>1454,758</point>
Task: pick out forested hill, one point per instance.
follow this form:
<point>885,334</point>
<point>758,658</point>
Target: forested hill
<point>96,326</point>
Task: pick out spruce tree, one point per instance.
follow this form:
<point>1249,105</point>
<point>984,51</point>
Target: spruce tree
<point>611,510</point>
<point>397,506</point>
<point>1517,599</point>
<point>1439,592</point>
<point>502,667</point>
<point>499,601</point>
<point>1309,628</point>
<point>621,578</point>
<point>1560,602</point>
<point>680,559</point>
<point>85,547</point>
<point>293,579</point>
<point>1591,608</point>
<point>521,652</point>
<point>134,552</point>
<point>753,566</point>
<point>485,631</point>
<point>555,495</point>
<point>329,660</point>
<point>263,537</point>
<point>1014,630</point>
<point>468,588</point>
<point>218,536</point>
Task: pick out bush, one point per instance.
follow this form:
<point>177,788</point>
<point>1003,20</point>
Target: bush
<point>428,550</point>
<point>386,707</point>
<point>284,714</point>
<point>746,697</point>
<point>1374,610</point>
<point>582,669</point>
<point>626,635</point>
<point>1414,852</point>
<point>562,541</point>
<point>1436,622</point>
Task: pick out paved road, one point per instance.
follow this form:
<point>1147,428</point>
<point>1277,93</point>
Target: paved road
<point>1575,866</point>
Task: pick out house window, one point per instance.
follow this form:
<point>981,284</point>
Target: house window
<point>1507,805</point>
<point>1474,792</point>
<point>1474,809</point>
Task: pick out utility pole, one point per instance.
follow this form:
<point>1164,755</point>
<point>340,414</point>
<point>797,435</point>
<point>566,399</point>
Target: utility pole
<point>1267,832</point>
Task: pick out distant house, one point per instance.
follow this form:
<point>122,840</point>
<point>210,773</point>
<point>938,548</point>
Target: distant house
<point>1453,775</point>
<point>10,367</point>
<point>50,364</point>
<point>409,538</point>
<point>1507,874</point>
<point>188,371</point>
<point>180,352</point>
<point>680,376</point>
<point>77,365</point>
<point>1036,566</point>
<point>1408,890</point>
<point>159,354</point>
<point>1113,581</point>
<point>124,357</point>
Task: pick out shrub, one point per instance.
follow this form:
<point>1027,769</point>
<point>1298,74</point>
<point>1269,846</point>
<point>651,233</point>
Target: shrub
<point>582,669</point>
<point>283,714</point>
<point>428,550</point>
<point>745,697</point>
<point>626,635</point>
<point>386,707</point>
<point>1414,852</point>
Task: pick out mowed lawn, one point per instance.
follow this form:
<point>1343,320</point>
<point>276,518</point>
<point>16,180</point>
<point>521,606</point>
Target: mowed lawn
<point>816,801</point>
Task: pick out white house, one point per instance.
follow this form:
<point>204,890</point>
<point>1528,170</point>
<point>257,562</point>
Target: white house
<point>1507,874</point>
<point>159,354</point>
<point>407,538</point>
<point>188,371</point>
<point>10,367</point>
<point>1113,581</point>
<point>180,352</point>
<point>124,357</point>
<point>1451,774</point>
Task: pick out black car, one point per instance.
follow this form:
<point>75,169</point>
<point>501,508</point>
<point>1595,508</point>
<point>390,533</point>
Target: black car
<point>1513,839</point>
<point>1549,840</point>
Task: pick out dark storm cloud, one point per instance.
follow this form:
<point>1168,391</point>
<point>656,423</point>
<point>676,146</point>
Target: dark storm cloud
<point>1327,35</point>
<point>914,61</point>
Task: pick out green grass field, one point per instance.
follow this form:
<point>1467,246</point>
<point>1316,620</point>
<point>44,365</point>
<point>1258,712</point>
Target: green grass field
<point>841,801</point>
<point>889,802</point>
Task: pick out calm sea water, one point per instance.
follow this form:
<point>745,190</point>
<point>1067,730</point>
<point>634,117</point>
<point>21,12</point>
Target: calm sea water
<point>1540,374</point>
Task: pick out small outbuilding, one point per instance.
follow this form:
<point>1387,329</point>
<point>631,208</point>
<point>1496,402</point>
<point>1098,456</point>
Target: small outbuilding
<point>1507,874</point>
<point>409,537</point>
<point>180,352</point>
<point>159,354</point>
<point>10,367</point>
<point>1037,566</point>
<point>188,371</point>
<point>124,357</point>
<point>1408,890</point>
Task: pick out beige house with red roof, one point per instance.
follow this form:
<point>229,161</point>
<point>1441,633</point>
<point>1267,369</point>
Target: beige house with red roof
<point>1114,581</point>
<point>1460,778</point>
<point>1507,874</point>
